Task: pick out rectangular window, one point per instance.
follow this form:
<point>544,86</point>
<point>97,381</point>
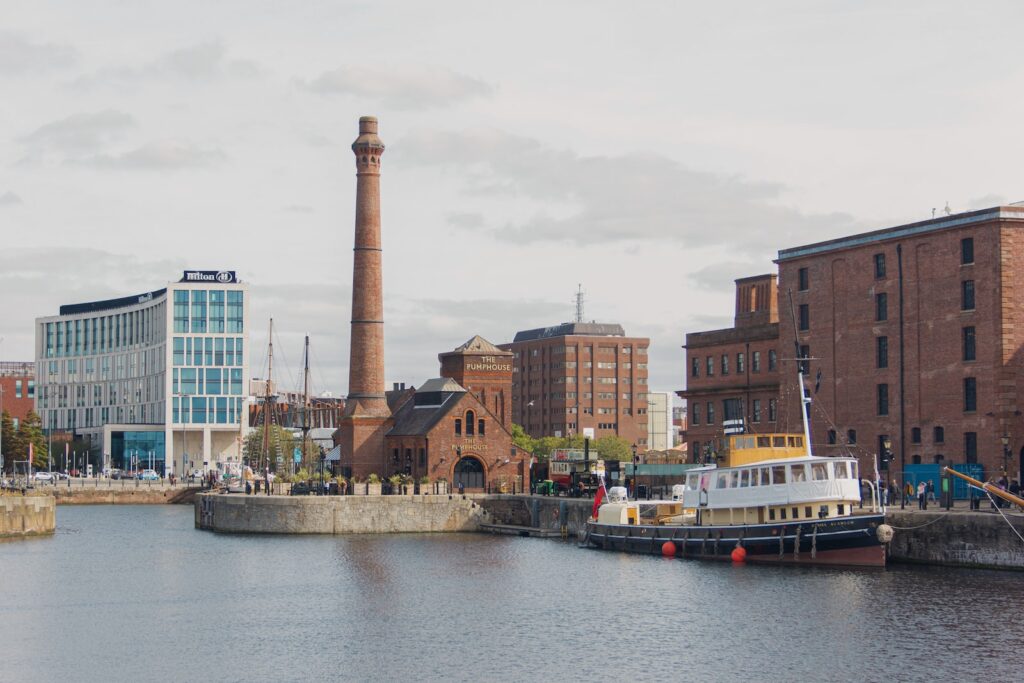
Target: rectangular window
<point>180,313</point>
<point>967,295</point>
<point>725,364</point>
<point>881,352</point>
<point>971,447</point>
<point>805,316</point>
<point>236,382</point>
<point>970,394</point>
<point>939,435</point>
<point>969,350</point>
<point>710,367</point>
<point>695,416</point>
<point>711,413</point>
<point>803,280</point>
<point>879,266</point>
<point>773,409</point>
<point>235,323</point>
<point>213,381</point>
<point>851,436</point>
<point>695,367</point>
<point>755,411</point>
<point>883,399</point>
<point>198,410</point>
<point>179,351</point>
<point>199,310</point>
<point>967,250</point>
<point>17,389</point>
<point>217,310</point>
<point>741,363</point>
<point>915,435</point>
<point>881,307</point>
<point>755,361</point>
<point>732,409</point>
<point>773,360</point>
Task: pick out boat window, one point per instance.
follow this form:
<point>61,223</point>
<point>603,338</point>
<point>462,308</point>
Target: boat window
<point>819,471</point>
<point>779,474</point>
<point>748,442</point>
<point>734,479</point>
<point>766,476</point>
<point>853,471</point>
<point>797,473</point>
<point>754,476</point>
<point>782,512</point>
<point>841,471</point>
<point>778,442</point>
<point>691,482</point>
<point>771,514</point>
<point>744,478</point>
<point>723,481</point>
<point>807,511</point>
<point>764,442</point>
<point>840,508</point>
<point>796,513</point>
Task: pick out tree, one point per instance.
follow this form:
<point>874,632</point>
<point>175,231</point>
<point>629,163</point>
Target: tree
<point>281,443</point>
<point>613,448</point>
<point>31,431</point>
<point>521,439</point>
<point>7,436</point>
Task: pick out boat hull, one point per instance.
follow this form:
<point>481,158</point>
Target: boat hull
<point>847,541</point>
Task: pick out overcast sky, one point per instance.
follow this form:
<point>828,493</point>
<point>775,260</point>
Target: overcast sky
<point>650,151</point>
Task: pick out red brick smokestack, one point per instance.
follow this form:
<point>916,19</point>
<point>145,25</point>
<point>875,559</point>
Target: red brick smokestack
<point>366,414</point>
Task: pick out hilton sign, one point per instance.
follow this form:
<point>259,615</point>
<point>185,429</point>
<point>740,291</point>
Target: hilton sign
<point>221,276</point>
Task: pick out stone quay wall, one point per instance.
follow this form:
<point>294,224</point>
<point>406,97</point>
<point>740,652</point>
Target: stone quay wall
<point>235,513</point>
<point>957,539</point>
<point>120,492</point>
<point>23,516</point>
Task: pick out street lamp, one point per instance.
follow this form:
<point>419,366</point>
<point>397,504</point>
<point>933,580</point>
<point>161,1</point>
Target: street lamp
<point>636,461</point>
<point>1006,451</point>
<point>886,459</point>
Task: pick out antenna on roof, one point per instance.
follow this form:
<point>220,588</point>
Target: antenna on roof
<point>579,303</point>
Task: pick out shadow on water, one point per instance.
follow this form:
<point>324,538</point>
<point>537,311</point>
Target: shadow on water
<point>134,593</point>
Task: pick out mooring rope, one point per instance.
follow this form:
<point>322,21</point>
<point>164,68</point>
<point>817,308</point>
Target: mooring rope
<point>1008,522</point>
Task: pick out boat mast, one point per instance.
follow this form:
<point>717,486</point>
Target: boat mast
<point>805,400</point>
<point>305,403</point>
<point>267,396</point>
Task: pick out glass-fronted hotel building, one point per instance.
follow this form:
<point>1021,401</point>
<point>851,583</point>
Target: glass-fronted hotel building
<point>157,379</point>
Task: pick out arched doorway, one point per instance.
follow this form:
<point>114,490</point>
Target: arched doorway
<point>470,473</point>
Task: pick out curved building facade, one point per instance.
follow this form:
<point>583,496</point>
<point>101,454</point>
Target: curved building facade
<point>156,379</point>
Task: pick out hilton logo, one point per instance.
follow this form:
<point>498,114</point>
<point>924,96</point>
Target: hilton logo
<point>222,276</point>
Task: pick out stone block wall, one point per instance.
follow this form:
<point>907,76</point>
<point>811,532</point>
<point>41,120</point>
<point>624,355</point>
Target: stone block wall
<point>22,516</point>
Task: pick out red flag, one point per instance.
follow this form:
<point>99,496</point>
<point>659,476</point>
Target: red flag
<point>598,497</point>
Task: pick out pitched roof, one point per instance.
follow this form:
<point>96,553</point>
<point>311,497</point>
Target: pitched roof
<point>418,417</point>
<point>479,345</point>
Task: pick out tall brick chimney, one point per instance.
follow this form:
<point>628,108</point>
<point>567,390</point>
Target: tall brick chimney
<point>367,416</point>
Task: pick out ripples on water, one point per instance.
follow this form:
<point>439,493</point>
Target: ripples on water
<point>136,594</point>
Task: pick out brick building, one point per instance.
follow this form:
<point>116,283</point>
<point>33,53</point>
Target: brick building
<point>917,332</point>
<point>733,373</point>
<point>17,389</point>
<point>576,376</point>
<point>486,371</point>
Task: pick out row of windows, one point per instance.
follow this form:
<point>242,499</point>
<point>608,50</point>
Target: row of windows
<point>121,366</point>
<point>134,391</point>
<point>970,448</point>
<point>201,311</point>
<point>968,347</point>
<point>732,409</point>
<point>741,363</point>
<point>208,351</point>
<point>587,350</point>
<point>19,388</point>
<point>938,436</point>
<point>470,417</point>
<point>202,410</point>
<point>970,396</point>
<point>102,334</point>
<point>966,258</point>
<point>212,381</point>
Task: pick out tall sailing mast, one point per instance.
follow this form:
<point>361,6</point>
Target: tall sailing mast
<point>268,398</point>
<point>306,405</point>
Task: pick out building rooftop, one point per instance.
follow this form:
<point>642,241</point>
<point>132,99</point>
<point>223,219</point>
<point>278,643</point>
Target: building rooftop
<point>1011,211</point>
<point>93,306</point>
<point>571,329</point>
<point>478,345</point>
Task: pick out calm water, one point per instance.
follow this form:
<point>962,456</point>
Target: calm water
<point>136,594</point>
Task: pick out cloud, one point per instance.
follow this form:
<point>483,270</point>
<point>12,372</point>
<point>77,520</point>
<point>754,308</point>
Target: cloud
<point>985,202</point>
<point>201,62</point>
<point>9,198</point>
<point>467,220</point>
<point>164,155</point>
<point>607,199</point>
<point>80,132</point>
<point>409,87</point>
<point>19,55</point>
<point>721,276</point>
<point>297,208</point>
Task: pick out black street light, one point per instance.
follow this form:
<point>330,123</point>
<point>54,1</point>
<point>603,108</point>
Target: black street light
<point>636,461</point>
<point>886,459</point>
<point>323,461</point>
<point>1006,452</point>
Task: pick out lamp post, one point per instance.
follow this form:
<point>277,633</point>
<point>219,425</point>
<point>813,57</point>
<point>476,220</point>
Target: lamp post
<point>886,459</point>
<point>1006,451</point>
<point>636,461</point>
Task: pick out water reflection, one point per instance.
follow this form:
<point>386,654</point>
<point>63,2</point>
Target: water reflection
<point>136,594</point>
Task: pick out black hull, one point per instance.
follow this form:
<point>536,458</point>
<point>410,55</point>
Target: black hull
<point>849,541</point>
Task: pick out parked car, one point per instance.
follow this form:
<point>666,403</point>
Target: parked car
<point>60,475</point>
<point>149,475</point>
<point>116,473</point>
<point>45,477</point>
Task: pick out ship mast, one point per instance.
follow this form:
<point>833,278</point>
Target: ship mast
<point>268,396</point>
<point>305,403</point>
<point>805,400</point>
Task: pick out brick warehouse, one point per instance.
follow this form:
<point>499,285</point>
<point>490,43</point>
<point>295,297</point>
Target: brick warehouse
<point>576,376</point>
<point>958,323</point>
<point>17,389</point>
<point>944,295</point>
<point>734,372</point>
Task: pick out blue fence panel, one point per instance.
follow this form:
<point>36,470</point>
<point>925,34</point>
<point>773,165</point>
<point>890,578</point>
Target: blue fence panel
<point>961,489</point>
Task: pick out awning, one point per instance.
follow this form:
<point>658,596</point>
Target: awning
<point>334,455</point>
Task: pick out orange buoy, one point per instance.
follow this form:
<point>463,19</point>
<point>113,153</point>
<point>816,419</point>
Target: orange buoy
<point>739,554</point>
<point>668,549</point>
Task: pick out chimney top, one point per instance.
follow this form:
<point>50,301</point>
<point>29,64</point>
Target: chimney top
<point>367,124</point>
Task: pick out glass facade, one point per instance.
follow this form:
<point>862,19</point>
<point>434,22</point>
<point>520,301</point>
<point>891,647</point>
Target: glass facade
<point>137,451</point>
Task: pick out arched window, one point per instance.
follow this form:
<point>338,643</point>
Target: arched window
<point>916,459</point>
<point>458,426</point>
<point>469,422</point>
<point>480,427</point>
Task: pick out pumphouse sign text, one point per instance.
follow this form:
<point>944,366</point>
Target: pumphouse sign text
<point>490,364</point>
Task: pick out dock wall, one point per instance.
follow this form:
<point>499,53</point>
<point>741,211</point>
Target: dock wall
<point>23,516</point>
<point>957,539</point>
<point>234,513</point>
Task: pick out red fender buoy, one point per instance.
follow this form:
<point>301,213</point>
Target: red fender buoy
<point>668,549</point>
<point>739,554</point>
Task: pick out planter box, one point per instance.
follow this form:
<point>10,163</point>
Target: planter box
<point>373,489</point>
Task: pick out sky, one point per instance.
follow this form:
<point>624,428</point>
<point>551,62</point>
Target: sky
<point>650,152</point>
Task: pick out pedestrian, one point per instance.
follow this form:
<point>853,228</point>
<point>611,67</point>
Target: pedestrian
<point>908,492</point>
<point>930,489</point>
<point>922,502</point>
